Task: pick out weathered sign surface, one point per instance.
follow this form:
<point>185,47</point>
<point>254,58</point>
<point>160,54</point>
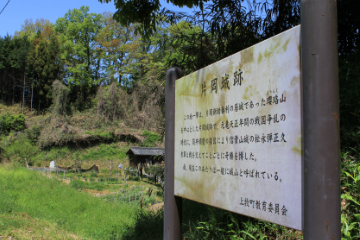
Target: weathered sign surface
<point>238,132</point>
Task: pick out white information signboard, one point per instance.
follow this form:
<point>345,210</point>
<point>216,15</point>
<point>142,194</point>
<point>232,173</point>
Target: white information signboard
<point>238,132</point>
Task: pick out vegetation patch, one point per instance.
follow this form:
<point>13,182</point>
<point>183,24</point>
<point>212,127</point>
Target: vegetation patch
<point>112,152</point>
<point>10,122</point>
<point>24,191</point>
<point>22,226</point>
<point>151,139</point>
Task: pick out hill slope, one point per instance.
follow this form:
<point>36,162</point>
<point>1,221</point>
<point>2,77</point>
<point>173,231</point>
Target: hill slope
<point>27,194</point>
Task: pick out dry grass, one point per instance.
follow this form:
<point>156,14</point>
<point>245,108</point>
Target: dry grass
<point>140,110</point>
<point>118,116</point>
<point>81,129</point>
<point>16,109</point>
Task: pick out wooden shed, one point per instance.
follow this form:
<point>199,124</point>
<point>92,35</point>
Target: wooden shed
<point>145,156</point>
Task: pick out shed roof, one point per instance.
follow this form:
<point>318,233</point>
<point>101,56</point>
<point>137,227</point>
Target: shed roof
<point>146,151</point>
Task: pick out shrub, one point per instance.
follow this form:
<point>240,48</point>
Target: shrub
<point>112,179</point>
<point>159,194</point>
<point>11,122</point>
<point>33,133</point>
<point>18,148</point>
<point>148,225</point>
<point>156,170</point>
<point>60,93</point>
<point>132,178</point>
<point>111,102</point>
<point>150,139</point>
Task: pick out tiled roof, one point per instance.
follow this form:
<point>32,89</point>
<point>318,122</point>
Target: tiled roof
<point>146,151</point>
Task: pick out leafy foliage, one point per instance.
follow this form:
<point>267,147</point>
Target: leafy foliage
<point>350,198</point>
<point>33,133</point>
<point>156,170</point>
<point>150,139</point>
<point>18,148</point>
<point>349,79</point>
<point>11,122</point>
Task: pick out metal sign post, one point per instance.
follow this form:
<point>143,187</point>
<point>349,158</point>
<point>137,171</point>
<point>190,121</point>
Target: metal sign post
<point>173,204</point>
<point>321,119</point>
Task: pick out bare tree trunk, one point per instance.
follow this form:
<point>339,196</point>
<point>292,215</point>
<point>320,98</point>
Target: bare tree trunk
<point>2,89</point>
<point>13,98</point>
<point>23,102</point>
<point>13,94</point>
<point>32,93</point>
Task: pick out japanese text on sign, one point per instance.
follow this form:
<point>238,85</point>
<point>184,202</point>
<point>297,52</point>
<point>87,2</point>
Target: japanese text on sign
<point>238,140</point>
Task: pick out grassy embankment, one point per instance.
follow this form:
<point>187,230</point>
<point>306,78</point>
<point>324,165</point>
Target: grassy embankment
<point>34,205</point>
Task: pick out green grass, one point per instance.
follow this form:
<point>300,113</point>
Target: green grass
<point>52,154</point>
<point>22,226</point>
<point>151,139</point>
<point>106,135</point>
<point>24,191</point>
<point>104,151</point>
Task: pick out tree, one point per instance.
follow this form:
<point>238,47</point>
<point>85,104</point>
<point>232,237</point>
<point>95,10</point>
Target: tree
<point>5,65</point>
<point>114,50</point>
<point>348,26</point>
<point>138,11</point>
<point>279,14</point>
<point>78,30</point>
<point>18,61</point>
<point>44,65</point>
<point>30,28</point>
<point>18,148</point>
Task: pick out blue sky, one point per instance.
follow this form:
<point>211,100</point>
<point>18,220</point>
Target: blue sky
<point>17,11</point>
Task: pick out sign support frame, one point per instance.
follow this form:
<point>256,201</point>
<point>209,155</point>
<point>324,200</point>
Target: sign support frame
<point>321,127</point>
<point>173,204</point>
<point>319,63</point>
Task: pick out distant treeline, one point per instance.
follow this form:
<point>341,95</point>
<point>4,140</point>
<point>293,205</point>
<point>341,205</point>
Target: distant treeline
<point>83,50</point>
<point>88,52</point>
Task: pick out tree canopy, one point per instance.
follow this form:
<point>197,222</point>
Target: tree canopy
<point>87,52</point>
